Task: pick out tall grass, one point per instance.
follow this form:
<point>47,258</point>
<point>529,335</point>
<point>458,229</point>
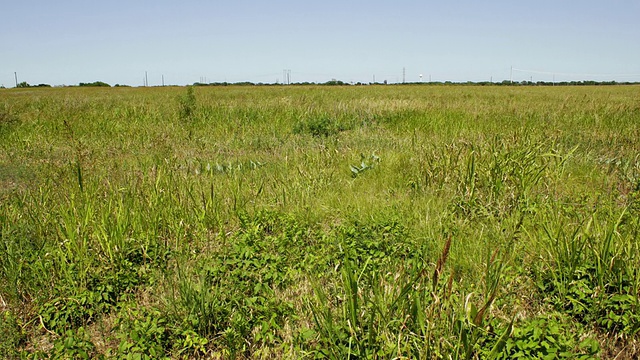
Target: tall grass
<point>299,222</point>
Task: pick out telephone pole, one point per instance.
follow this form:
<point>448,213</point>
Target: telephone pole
<point>404,73</point>
<point>16,76</point>
<point>286,76</point>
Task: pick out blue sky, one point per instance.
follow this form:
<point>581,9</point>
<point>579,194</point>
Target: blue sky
<point>72,41</point>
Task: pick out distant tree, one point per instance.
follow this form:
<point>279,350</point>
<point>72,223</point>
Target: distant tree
<point>24,84</point>
<point>95,83</point>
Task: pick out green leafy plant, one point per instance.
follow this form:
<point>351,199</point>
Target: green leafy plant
<point>75,344</point>
<point>187,105</point>
<point>191,344</point>
<point>14,336</point>
<point>403,315</point>
<point>66,313</point>
<point>547,338</point>
<point>319,126</point>
<point>365,164</point>
<point>592,280</point>
<point>145,335</point>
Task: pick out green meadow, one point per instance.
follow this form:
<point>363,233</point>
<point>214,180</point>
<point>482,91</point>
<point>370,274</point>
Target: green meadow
<point>307,222</point>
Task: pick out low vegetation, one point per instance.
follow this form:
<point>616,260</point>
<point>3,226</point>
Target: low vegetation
<point>313,222</point>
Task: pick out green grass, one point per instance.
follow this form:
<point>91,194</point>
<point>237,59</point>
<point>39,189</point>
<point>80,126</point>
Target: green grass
<point>320,222</point>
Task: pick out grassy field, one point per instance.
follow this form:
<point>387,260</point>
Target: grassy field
<point>435,222</point>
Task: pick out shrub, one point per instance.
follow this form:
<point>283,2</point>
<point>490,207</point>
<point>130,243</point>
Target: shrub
<point>96,84</point>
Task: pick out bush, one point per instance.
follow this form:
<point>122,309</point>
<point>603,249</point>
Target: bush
<point>95,83</point>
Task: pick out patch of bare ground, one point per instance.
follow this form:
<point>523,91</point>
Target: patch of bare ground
<point>619,348</point>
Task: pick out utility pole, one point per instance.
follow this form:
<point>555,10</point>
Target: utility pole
<point>163,80</point>
<point>511,76</point>
<point>404,73</point>
<point>16,76</point>
<point>146,79</point>
<point>286,76</point>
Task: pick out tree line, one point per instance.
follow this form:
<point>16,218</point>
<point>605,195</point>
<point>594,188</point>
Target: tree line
<point>334,82</point>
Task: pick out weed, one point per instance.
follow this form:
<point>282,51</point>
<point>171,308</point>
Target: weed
<point>14,337</point>
<point>145,335</point>
<point>319,126</point>
<point>548,338</point>
<point>187,105</point>
<point>365,164</point>
<point>74,344</point>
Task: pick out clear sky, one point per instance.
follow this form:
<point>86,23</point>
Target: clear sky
<point>72,41</point>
